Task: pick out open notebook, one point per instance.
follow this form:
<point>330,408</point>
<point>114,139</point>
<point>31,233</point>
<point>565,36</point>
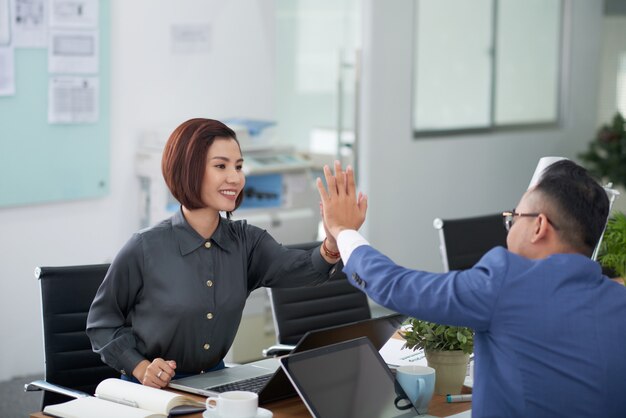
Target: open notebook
<point>118,398</point>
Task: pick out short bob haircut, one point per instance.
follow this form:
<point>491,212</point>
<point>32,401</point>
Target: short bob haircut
<point>184,159</point>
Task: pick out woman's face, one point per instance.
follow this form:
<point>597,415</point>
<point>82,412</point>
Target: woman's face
<point>223,176</point>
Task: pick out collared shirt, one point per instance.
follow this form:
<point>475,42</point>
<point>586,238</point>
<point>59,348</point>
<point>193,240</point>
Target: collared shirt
<point>349,240</point>
<point>172,294</point>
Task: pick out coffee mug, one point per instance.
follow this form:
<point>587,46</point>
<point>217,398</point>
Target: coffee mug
<point>234,404</point>
<point>418,383</point>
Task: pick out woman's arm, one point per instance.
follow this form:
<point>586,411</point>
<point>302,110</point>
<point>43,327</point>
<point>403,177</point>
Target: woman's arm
<point>110,336</point>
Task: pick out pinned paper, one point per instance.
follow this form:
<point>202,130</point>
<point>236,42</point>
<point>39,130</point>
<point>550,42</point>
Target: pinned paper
<point>73,99</point>
<point>29,23</point>
<point>73,52</point>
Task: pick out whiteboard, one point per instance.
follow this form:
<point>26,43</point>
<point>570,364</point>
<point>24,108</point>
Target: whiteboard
<point>40,162</point>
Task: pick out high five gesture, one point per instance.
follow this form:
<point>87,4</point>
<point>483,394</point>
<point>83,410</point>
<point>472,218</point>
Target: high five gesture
<point>342,208</point>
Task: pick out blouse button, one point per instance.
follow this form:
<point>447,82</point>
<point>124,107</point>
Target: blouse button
<point>207,244</point>
<point>209,316</point>
<point>206,346</point>
<point>209,283</point>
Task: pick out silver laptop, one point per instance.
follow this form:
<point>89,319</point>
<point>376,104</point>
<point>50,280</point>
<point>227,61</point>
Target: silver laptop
<point>347,380</point>
<point>266,377</point>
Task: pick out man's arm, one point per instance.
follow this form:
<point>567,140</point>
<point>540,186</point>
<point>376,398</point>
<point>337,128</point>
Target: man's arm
<point>456,298</point>
<point>461,298</point>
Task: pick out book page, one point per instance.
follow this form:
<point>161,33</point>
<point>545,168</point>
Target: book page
<point>97,408</point>
<point>144,397</point>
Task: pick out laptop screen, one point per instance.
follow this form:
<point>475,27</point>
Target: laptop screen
<point>346,380</point>
<point>378,330</point>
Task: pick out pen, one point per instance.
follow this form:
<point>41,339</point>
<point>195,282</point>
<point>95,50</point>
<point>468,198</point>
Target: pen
<point>459,398</point>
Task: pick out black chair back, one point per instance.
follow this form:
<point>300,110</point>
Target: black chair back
<point>464,241</point>
<point>66,295</point>
<point>299,310</point>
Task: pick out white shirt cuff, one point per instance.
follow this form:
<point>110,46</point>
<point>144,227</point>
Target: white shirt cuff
<point>347,241</point>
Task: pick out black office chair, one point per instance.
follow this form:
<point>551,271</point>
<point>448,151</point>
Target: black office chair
<point>463,241</point>
<point>72,369</point>
<point>299,310</point>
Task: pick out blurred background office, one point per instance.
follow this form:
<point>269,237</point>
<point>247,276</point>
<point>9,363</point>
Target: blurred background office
<point>444,106</point>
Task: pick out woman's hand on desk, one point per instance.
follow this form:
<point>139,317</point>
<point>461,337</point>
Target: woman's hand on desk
<point>156,374</point>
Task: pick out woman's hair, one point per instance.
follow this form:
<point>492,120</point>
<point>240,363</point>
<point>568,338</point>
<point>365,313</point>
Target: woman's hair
<point>184,159</point>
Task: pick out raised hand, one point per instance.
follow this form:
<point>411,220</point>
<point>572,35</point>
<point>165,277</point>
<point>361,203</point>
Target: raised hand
<point>341,207</point>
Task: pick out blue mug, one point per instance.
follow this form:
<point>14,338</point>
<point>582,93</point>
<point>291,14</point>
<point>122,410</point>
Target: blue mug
<point>418,382</point>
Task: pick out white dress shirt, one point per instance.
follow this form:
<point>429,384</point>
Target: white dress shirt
<point>347,241</point>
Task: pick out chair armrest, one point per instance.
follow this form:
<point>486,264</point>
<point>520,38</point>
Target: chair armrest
<point>278,350</point>
<point>51,387</point>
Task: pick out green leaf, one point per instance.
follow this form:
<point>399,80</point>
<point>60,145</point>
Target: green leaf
<point>605,157</point>
<point>430,336</point>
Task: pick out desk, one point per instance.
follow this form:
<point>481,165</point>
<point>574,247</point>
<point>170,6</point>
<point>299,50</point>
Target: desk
<point>294,408</point>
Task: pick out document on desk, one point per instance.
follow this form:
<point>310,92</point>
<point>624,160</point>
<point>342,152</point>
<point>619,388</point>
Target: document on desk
<point>395,355</point>
<point>97,408</point>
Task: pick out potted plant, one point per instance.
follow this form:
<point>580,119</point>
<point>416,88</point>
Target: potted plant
<point>606,155</point>
<point>613,249</point>
<point>447,349</point>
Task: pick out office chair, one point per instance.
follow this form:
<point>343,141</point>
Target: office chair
<point>463,241</point>
<point>72,369</point>
<point>299,310</point>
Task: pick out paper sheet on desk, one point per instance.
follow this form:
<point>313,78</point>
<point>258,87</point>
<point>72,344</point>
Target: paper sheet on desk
<point>395,355</point>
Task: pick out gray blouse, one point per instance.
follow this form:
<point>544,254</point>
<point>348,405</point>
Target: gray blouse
<point>172,294</point>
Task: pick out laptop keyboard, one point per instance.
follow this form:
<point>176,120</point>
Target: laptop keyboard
<point>254,384</point>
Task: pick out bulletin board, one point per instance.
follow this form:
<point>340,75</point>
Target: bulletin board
<point>42,162</point>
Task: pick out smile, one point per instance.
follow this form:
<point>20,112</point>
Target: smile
<point>228,192</point>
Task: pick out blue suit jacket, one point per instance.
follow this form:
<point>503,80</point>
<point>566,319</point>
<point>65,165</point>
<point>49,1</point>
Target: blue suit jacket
<point>550,334</point>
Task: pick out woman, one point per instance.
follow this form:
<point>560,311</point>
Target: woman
<point>173,297</point>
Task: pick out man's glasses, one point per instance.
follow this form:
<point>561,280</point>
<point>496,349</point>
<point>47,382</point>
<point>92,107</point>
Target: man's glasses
<point>507,218</point>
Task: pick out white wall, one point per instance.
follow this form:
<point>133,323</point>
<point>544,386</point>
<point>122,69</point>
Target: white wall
<point>411,182</point>
<point>151,90</point>
<point>614,45</point>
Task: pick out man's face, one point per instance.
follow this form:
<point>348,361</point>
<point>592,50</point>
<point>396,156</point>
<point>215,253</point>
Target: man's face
<point>519,238</point>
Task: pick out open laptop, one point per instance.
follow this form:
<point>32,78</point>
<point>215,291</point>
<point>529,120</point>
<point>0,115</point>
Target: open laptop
<point>347,380</point>
<point>266,377</point>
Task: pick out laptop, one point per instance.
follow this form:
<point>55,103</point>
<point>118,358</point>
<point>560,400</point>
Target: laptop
<point>267,378</point>
<point>347,380</point>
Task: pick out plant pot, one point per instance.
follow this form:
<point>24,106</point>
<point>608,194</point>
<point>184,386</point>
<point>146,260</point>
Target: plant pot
<point>450,370</point>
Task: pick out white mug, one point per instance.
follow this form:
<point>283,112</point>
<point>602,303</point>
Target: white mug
<point>418,383</point>
<point>234,404</point>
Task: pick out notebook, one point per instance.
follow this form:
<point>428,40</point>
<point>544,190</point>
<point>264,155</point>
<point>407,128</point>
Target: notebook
<point>347,380</point>
<point>266,377</point>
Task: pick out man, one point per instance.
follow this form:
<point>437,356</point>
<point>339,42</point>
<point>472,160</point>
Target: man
<point>550,328</point>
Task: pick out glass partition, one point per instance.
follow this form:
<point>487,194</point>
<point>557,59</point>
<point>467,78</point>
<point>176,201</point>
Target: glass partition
<point>482,64</point>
